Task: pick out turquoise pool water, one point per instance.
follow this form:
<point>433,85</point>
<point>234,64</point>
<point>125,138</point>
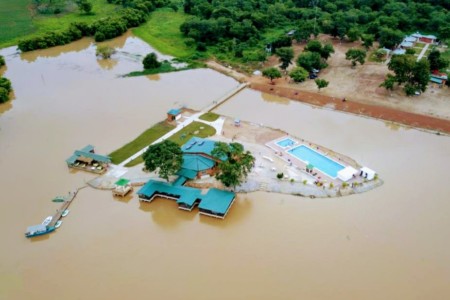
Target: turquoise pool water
<point>286,142</point>
<point>320,162</point>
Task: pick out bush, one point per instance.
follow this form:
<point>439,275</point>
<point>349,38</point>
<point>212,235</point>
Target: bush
<point>280,175</point>
<point>105,51</point>
<point>2,61</point>
<point>6,84</point>
<point>4,95</point>
<point>305,181</point>
<point>151,61</point>
<point>201,47</point>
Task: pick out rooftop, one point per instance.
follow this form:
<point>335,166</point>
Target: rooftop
<point>196,162</point>
<point>86,153</point>
<point>174,112</point>
<point>199,145</point>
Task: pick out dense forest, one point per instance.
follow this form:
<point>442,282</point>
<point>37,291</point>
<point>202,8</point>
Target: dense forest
<point>240,27</point>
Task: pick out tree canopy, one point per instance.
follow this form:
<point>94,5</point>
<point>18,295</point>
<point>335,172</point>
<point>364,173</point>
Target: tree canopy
<point>298,74</point>
<point>321,83</point>
<point>355,56</point>
<point>151,61</point>
<point>166,157</point>
<point>238,163</point>
<point>286,54</point>
<point>5,89</point>
<point>271,73</point>
<point>414,74</point>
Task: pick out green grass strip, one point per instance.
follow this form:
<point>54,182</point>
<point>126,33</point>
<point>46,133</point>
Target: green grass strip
<point>209,116</point>
<point>145,139</point>
<point>182,136</point>
<point>162,31</point>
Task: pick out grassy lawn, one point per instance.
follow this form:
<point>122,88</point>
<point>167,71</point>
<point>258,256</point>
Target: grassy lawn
<point>145,139</point>
<point>183,136</point>
<point>419,45</point>
<point>162,31</point>
<point>17,21</point>
<point>209,116</point>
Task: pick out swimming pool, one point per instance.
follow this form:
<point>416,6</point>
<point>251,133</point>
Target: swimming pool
<point>286,142</point>
<point>320,162</point>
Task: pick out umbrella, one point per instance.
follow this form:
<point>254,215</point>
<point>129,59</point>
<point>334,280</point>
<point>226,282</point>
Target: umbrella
<point>310,166</point>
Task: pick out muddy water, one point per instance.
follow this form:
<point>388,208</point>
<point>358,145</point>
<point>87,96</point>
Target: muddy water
<point>391,243</point>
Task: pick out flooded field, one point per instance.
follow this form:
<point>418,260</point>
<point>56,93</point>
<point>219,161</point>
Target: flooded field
<point>390,243</point>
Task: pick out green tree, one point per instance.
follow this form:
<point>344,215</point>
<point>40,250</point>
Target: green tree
<point>286,54</point>
<point>436,61</point>
<point>151,61</point>
<point>236,166</point>
<point>105,51</point>
<point>298,74</point>
<point>389,38</point>
<point>414,74</point>
<point>2,61</point>
<point>356,55</point>
<point>310,60</point>
<point>165,156</point>
<point>326,51</point>
<point>389,82</point>
<point>4,95</point>
<point>271,73</point>
<point>410,51</point>
<point>84,5</point>
<point>367,40</point>
<point>321,83</point>
<point>6,84</point>
<point>314,46</point>
<point>353,34</point>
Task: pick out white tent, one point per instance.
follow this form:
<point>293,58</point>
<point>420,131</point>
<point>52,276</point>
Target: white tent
<point>347,173</point>
<point>367,173</point>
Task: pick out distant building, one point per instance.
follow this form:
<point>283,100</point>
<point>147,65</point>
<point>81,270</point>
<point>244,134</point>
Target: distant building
<point>429,39</point>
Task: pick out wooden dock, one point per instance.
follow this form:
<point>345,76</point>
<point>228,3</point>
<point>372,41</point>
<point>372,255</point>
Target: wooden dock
<point>65,205</point>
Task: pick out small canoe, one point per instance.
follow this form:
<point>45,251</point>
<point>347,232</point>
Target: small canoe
<point>65,213</point>
<point>59,199</point>
<point>58,224</point>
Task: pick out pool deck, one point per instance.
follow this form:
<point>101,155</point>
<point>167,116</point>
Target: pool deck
<point>293,161</point>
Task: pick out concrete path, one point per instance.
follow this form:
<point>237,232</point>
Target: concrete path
<point>218,124</point>
<point>422,53</point>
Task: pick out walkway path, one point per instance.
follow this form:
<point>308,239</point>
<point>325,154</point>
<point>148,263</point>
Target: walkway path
<point>422,53</point>
<point>218,124</point>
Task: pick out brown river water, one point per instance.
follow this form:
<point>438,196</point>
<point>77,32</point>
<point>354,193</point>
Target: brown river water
<point>390,243</point>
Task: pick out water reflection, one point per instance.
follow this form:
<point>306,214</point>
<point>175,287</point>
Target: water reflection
<point>154,77</point>
<point>275,99</point>
<point>107,64</point>
<point>239,211</point>
<point>166,214</point>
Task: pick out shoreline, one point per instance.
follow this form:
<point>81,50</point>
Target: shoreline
<point>419,121</point>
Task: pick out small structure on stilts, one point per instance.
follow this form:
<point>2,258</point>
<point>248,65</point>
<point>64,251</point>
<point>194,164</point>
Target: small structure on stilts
<point>122,187</point>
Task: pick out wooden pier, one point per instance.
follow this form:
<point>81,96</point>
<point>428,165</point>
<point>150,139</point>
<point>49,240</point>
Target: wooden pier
<point>65,205</point>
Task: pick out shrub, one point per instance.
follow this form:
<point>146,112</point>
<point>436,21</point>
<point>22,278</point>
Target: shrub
<point>151,61</point>
<point>331,185</point>
<point>280,175</point>
<point>6,84</point>
<point>4,95</point>
<point>2,61</point>
<point>105,51</point>
<point>344,184</point>
<point>292,180</point>
<point>305,181</point>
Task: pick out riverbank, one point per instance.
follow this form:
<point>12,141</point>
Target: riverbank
<point>283,89</point>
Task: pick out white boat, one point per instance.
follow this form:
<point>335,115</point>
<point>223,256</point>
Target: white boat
<point>47,220</point>
<point>58,223</point>
<point>65,213</point>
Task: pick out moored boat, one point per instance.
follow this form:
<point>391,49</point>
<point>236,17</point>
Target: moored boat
<point>47,220</point>
<point>58,224</point>
<point>37,230</point>
<point>65,212</point>
<point>59,199</point>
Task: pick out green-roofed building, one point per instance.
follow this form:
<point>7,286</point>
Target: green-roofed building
<point>87,160</point>
<point>214,203</point>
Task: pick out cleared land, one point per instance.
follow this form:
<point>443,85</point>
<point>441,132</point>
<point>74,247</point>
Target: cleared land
<point>361,84</point>
<point>162,31</point>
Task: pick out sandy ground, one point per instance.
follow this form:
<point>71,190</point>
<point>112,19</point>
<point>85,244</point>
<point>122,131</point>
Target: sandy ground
<point>360,87</point>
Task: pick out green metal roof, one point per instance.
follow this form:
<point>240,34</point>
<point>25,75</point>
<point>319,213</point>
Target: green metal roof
<point>199,145</point>
<point>197,162</point>
<point>122,182</point>
<point>183,194</point>
<point>217,201</point>
<point>88,148</point>
<point>174,112</point>
<point>86,153</point>
<point>214,200</point>
<point>191,174</point>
